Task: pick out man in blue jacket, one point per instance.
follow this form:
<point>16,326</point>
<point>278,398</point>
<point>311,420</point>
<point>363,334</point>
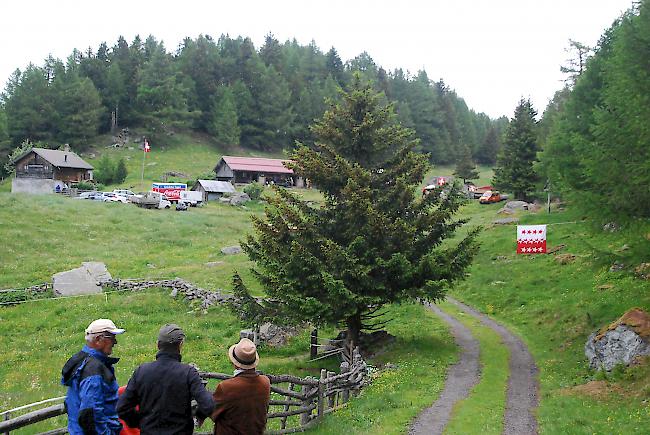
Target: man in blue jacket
<point>92,388</point>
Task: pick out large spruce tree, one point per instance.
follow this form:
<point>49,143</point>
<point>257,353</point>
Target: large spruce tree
<point>372,242</point>
<point>514,171</point>
<point>465,167</point>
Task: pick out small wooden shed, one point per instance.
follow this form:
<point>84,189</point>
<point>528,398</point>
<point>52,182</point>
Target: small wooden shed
<point>213,189</point>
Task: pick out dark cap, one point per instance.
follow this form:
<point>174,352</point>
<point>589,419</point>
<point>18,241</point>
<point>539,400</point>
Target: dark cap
<point>171,333</point>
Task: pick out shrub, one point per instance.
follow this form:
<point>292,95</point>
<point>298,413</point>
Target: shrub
<point>254,190</point>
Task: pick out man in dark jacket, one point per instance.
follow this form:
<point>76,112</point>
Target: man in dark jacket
<point>164,390</point>
<point>92,387</point>
<point>242,402</point>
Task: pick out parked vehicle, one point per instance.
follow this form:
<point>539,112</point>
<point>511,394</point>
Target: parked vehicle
<point>171,190</point>
<point>181,206</point>
<point>492,196</point>
<point>93,196</point>
<point>151,200</point>
<point>113,197</point>
<point>191,197</point>
<point>123,192</point>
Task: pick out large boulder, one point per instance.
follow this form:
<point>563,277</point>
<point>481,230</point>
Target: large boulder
<point>84,280</point>
<point>620,342</point>
<point>239,198</point>
<point>516,205</point>
<point>231,250</point>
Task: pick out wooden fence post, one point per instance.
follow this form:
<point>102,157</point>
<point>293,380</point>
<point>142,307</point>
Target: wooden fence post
<point>305,416</point>
<point>313,348</point>
<point>321,393</point>
<point>7,417</point>
<point>331,398</point>
<point>283,421</point>
<point>345,368</point>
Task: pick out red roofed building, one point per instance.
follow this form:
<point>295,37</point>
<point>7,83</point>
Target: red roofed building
<point>262,170</point>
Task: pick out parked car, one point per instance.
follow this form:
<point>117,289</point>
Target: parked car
<point>492,196</point>
<point>181,206</point>
<point>123,192</point>
<point>113,197</point>
<point>95,196</point>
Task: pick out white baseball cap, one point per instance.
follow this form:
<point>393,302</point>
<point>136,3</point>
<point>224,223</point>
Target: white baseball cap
<point>103,325</point>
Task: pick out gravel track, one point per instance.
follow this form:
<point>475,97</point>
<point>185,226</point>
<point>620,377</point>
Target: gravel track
<point>461,379</point>
<point>522,394</point>
<point>522,389</point>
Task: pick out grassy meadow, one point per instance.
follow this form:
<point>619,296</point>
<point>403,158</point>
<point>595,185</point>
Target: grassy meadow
<point>47,234</point>
<point>191,154</point>
<point>554,307</point>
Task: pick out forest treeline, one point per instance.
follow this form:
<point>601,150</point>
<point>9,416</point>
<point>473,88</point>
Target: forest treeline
<point>262,98</point>
<point>595,133</point>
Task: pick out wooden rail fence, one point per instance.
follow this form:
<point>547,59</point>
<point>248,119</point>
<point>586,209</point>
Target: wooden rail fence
<point>296,403</point>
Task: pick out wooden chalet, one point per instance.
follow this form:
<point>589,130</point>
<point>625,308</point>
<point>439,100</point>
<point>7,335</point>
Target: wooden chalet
<point>41,170</point>
<point>250,169</point>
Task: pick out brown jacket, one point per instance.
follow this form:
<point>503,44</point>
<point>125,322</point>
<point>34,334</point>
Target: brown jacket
<point>241,404</point>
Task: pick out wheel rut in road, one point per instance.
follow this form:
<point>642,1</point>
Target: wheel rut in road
<point>461,379</point>
<point>522,388</point>
<point>522,393</point>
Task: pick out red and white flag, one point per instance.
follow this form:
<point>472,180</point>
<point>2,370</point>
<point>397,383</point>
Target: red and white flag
<point>531,239</point>
<point>147,148</point>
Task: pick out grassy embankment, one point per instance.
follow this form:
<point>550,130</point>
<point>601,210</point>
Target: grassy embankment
<point>47,234</point>
<point>554,307</point>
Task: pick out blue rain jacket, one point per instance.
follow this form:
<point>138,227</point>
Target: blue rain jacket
<point>92,393</point>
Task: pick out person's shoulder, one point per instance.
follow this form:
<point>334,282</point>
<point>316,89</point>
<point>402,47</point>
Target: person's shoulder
<point>95,367</point>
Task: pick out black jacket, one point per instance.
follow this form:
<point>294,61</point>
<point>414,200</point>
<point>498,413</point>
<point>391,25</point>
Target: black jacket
<point>163,390</point>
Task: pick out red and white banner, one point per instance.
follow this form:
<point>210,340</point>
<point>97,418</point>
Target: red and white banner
<point>147,148</point>
<point>531,239</point>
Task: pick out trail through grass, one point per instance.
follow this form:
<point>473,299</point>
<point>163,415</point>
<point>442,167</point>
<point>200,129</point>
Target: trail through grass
<point>554,307</point>
<point>483,410</point>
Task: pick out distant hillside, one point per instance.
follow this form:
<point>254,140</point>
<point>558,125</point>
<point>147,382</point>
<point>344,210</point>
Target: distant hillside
<point>262,98</point>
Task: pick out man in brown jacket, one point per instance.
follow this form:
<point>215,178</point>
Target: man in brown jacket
<point>242,401</point>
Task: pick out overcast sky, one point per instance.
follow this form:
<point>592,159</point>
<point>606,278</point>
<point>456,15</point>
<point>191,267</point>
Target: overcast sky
<point>491,52</point>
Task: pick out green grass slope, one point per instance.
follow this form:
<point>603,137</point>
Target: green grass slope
<point>188,153</point>
<point>46,234</point>
<point>554,307</point>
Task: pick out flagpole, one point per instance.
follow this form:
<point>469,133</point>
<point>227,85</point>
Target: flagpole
<point>144,153</point>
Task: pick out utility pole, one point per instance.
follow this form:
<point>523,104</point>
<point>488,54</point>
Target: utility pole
<point>547,189</point>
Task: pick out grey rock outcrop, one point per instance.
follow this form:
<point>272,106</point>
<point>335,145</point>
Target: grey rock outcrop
<point>239,198</point>
<point>231,250</point>
<point>84,280</point>
<point>617,346</point>
<point>516,205</point>
<point>506,221</point>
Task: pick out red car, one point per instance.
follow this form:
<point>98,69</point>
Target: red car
<point>490,197</point>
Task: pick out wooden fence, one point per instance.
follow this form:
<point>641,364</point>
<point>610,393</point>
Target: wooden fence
<point>296,403</point>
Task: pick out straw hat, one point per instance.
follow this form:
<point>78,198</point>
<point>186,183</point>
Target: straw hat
<point>244,354</point>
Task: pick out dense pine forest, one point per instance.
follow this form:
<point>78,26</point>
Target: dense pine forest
<point>595,133</point>
<point>590,144</point>
<point>262,98</point>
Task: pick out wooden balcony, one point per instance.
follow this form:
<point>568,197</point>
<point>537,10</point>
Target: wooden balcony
<point>35,173</point>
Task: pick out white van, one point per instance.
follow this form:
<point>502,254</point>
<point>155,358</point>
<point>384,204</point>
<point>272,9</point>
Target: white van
<point>124,193</point>
<point>191,197</point>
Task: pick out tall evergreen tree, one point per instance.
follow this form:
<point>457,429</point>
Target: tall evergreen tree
<point>465,167</point>
<point>161,100</point>
<point>372,242</point>
<point>224,128</point>
<point>121,171</point>
<point>489,149</point>
<point>514,171</point>
<point>29,106</point>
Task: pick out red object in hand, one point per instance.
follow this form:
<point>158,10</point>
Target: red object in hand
<point>127,430</point>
